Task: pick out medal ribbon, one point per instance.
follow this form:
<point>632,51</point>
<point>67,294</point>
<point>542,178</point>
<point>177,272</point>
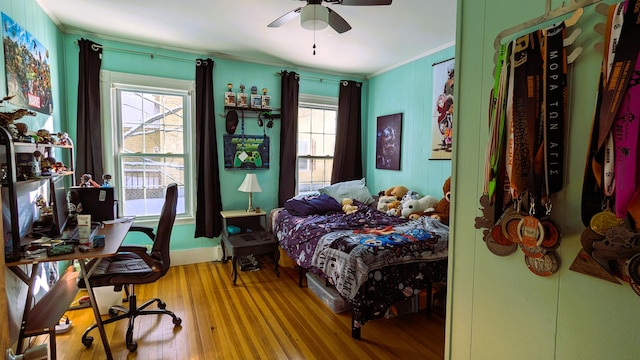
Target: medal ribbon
<point>555,92</point>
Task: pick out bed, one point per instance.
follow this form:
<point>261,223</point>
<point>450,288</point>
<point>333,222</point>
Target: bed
<point>373,260</point>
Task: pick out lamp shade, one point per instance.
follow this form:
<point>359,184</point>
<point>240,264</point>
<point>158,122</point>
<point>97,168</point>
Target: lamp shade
<point>314,17</point>
<point>250,184</point>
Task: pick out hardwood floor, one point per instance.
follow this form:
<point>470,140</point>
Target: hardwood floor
<point>262,317</point>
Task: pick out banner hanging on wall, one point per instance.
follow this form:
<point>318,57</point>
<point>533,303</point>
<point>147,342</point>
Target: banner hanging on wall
<point>442,119</point>
<point>27,68</point>
<point>246,152</point>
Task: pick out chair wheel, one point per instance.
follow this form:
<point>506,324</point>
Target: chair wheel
<point>87,341</point>
<point>132,347</point>
<point>113,313</point>
<point>177,322</point>
<point>162,305</point>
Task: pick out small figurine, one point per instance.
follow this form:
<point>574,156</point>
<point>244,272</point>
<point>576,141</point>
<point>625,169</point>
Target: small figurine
<point>241,88</point>
<point>254,90</point>
<point>87,181</point>
<point>106,180</point>
<point>63,139</point>
<point>264,91</point>
<point>44,137</point>
<point>229,87</point>
<point>13,130</point>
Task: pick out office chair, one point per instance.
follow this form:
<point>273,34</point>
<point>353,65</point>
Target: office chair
<point>134,265</point>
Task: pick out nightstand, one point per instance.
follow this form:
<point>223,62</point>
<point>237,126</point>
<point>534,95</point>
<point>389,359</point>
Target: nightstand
<point>253,238</point>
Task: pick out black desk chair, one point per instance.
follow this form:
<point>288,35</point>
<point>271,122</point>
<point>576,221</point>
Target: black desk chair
<point>134,265</point>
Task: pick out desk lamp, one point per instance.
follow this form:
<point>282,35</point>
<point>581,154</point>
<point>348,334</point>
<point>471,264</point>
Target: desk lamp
<point>250,185</point>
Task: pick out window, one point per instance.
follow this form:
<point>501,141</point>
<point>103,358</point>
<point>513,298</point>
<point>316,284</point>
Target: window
<point>316,141</point>
<point>151,143</point>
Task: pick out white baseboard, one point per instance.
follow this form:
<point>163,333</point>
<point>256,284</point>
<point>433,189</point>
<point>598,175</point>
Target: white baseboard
<point>193,256</point>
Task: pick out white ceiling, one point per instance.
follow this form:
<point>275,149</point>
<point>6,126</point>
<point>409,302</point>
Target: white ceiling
<point>381,37</point>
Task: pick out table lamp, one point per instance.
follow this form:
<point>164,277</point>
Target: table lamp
<point>250,185</point>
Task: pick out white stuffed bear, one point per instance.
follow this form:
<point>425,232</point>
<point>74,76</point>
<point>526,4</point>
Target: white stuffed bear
<point>425,203</point>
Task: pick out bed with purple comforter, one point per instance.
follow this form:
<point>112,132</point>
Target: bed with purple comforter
<point>374,260</point>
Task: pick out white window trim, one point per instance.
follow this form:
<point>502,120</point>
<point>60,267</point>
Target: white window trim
<point>108,79</point>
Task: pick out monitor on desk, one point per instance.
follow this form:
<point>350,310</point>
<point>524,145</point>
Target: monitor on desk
<point>99,202</point>
<point>60,205</point>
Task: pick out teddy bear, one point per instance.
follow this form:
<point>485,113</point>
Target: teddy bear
<point>394,208</point>
<point>384,201</point>
<point>348,207</point>
<point>425,203</point>
<point>441,209</point>
<point>397,191</point>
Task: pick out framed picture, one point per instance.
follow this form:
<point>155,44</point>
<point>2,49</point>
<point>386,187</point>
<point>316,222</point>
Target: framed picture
<point>256,101</point>
<point>388,141</point>
<point>246,152</point>
<point>442,118</point>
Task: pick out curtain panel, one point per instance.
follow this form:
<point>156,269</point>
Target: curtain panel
<point>89,128</point>
<point>347,160</point>
<point>288,135</point>
<point>208,198</point>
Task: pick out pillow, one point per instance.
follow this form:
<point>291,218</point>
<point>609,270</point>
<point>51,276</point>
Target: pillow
<point>354,189</point>
<point>305,206</point>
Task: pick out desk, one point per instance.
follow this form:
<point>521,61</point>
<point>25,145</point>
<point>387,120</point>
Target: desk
<point>41,319</point>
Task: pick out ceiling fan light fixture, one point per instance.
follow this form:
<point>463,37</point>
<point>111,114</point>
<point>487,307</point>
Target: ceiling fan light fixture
<point>314,17</point>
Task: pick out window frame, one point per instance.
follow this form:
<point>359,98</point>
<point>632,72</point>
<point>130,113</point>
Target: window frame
<point>313,102</point>
<point>110,83</point>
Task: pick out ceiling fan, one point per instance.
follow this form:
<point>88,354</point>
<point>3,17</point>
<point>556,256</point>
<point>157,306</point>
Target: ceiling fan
<point>314,16</point>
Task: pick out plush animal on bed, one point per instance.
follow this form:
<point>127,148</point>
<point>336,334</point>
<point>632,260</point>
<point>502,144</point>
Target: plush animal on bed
<point>348,207</point>
<point>441,209</point>
<point>394,208</point>
<point>384,201</point>
<point>425,203</point>
<point>397,191</point>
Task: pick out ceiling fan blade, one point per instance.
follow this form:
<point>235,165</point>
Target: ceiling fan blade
<point>365,2</point>
<point>338,24</point>
<point>285,18</point>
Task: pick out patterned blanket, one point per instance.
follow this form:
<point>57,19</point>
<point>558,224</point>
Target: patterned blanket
<point>347,257</point>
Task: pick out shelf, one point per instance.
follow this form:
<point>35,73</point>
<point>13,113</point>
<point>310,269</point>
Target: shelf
<point>48,311</point>
<point>32,146</point>
<point>256,111</point>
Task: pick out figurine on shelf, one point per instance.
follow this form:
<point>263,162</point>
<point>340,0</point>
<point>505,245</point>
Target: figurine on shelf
<point>44,137</point>
<point>87,181</point>
<point>254,90</point>
<point>242,97</point>
<point>229,96</point>
<point>63,139</point>
<point>106,180</point>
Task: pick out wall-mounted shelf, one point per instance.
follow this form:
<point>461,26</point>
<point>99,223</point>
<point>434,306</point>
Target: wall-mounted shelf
<point>252,112</point>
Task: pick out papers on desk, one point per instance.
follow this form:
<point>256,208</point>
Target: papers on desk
<point>119,220</point>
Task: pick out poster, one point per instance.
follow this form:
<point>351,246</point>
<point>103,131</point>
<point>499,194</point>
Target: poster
<point>442,119</point>
<point>246,152</point>
<point>27,68</point>
<point>388,142</point>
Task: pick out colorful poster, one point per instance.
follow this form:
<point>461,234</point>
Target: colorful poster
<point>246,152</point>
<point>27,68</point>
<point>389,141</point>
<point>442,119</point>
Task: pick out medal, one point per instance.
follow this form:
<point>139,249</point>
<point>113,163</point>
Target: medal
<point>534,252</point>
<point>589,237</point>
<point>498,248</point>
<point>603,221</point>
<point>545,265</point>
<point>530,231</point>
<point>551,238</point>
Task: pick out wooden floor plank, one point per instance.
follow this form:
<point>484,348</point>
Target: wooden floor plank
<point>262,317</point>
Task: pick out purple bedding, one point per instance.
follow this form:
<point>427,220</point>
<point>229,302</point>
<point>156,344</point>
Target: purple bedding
<point>374,260</point>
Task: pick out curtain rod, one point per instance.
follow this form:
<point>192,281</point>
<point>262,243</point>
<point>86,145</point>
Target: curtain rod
<point>312,78</point>
<point>95,47</point>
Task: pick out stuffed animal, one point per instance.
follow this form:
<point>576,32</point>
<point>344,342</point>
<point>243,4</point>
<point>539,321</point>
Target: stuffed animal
<point>394,208</point>
<point>384,201</point>
<point>397,191</point>
<point>441,210</point>
<point>421,205</point>
<point>348,207</point>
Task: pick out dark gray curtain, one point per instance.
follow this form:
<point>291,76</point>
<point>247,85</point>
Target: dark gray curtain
<point>89,129</point>
<point>347,158</point>
<point>209,201</point>
<point>288,135</point>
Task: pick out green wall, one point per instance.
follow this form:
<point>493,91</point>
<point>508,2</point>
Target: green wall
<point>498,309</point>
<point>407,89</point>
